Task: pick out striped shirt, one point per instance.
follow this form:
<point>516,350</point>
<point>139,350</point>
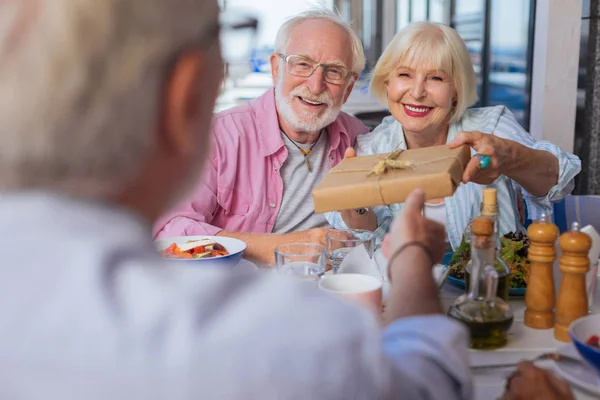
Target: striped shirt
<point>465,203</point>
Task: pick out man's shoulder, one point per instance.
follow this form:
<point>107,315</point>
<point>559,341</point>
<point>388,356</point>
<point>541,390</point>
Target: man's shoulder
<point>264,304</point>
<point>241,116</point>
<point>244,119</point>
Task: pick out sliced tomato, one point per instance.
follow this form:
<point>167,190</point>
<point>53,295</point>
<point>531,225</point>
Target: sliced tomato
<point>593,340</point>
<point>198,250</point>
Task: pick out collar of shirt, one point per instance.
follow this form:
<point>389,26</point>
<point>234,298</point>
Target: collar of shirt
<point>265,113</point>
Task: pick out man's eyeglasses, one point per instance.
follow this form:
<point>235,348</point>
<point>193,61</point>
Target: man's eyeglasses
<point>305,67</point>
<point>238,36</point>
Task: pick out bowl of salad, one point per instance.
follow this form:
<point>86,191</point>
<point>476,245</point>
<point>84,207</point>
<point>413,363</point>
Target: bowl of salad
<point>585,334</point>
<point>205,250</point>
<point>514,248</point>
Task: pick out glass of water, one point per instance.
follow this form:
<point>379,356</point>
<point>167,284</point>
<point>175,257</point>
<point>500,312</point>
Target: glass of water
<point>305,261</point>
<point>341,242</point>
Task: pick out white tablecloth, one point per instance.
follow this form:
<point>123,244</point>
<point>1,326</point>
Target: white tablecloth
<point>524,343</point>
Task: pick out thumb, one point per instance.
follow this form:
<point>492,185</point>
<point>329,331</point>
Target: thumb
<point>350,152</point>
<point>415,201</point>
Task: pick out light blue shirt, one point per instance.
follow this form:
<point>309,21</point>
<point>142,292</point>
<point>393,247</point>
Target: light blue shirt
<point>465,203</point>
<point>89,310</point>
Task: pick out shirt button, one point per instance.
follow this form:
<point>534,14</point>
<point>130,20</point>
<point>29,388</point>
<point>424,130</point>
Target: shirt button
<point>272,204</point>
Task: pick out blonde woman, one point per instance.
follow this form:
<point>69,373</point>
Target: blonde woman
<point>425,77</point>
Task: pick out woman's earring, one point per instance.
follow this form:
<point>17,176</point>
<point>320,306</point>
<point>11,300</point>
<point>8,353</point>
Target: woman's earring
<point>454,103</point>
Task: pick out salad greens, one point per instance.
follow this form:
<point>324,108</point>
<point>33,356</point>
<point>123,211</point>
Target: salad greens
<point>513,250</point>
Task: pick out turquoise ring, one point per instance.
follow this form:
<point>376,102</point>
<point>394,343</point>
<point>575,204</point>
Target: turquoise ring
<point>484,161</point>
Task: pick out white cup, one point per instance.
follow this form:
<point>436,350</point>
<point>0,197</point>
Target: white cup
<point>363,289</point>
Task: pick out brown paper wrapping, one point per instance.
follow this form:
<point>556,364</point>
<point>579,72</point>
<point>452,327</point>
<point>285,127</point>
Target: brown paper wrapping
<point>436,170</point>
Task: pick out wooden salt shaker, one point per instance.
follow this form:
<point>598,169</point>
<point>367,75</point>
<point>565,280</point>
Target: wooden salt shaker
<point>539,296</point>
<point>574,264</point>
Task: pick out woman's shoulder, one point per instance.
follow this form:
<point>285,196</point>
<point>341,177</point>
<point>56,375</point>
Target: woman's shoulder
<point>382,139</point>
<point>489,119</point>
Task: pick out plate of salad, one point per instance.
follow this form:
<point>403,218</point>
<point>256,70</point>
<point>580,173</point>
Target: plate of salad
<point>207,250</point>
<point>513,251</point>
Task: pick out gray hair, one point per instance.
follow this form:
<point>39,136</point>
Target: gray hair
<point>80,85</point>
<point>283,35</point>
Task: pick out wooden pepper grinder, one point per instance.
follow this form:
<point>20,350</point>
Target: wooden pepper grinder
<point>539,296</point>
<point>574,264</point>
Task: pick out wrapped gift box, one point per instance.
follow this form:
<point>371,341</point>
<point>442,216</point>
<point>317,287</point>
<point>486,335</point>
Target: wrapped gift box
<point>353,183</point>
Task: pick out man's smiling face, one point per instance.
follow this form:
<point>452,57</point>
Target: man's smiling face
<point>309,104</point>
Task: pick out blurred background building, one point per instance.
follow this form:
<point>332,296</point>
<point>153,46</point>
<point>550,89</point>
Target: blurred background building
<point>530,55</point>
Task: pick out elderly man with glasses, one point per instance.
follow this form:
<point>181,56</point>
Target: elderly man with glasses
<point>269,154</point>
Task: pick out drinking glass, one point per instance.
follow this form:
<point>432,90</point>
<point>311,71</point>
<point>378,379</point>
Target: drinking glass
<point>305,261</point>
<point>341,242</point>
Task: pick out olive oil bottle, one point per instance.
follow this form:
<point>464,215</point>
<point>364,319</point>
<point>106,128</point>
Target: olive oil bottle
<point>487,316</point>
<point>489,208</point>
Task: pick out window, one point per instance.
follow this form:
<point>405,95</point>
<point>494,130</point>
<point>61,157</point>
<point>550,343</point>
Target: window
<point>402,14</point>
<point>509,57</point>
<point>469,22</point>
<point>499,37</point>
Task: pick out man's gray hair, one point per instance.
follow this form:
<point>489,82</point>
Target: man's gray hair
<point>80,84</point>
<point>283,35</point>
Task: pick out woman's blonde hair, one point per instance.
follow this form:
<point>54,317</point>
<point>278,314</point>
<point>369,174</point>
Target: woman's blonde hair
<point>433,45</point>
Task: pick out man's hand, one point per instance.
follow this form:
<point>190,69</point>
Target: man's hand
<point>314,235</point>
<point>532,383</point>
<point>413,291</point>
<point>411,226</point>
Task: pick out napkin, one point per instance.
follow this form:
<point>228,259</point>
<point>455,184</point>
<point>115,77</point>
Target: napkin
<point>358,261</point>
<point>380,260</point>
<point>593,255</point>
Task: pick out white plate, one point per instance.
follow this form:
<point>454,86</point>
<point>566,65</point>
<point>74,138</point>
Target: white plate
<point>581,375</point>
<point>235,247</point>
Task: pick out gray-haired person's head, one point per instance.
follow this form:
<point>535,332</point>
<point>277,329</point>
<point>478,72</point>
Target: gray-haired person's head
<point>80,88</point>
<point>283,34</point>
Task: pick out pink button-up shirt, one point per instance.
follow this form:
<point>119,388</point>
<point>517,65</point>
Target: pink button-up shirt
<point>242,189</point>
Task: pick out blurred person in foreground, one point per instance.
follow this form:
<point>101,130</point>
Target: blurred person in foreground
<point>104,115</point>
<point>426,78</point>
<point>270,153</point>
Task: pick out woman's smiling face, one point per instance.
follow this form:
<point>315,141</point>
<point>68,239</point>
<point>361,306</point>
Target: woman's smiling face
<point>420,98</point>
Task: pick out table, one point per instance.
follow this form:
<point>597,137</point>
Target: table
<point>524,343</point>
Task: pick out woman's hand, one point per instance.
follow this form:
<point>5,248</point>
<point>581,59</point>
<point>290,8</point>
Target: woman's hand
<point>500,152</point>
<point>535,170</point>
